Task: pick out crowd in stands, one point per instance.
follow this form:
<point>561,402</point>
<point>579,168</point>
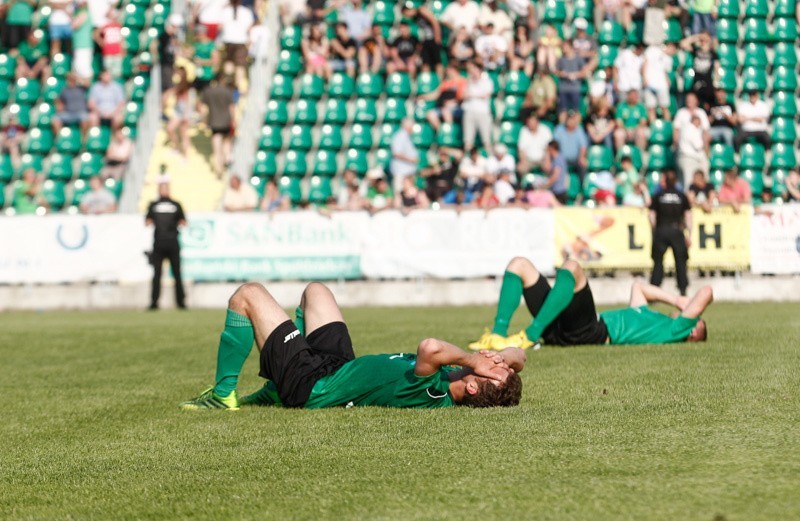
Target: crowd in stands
<point>540,104</point>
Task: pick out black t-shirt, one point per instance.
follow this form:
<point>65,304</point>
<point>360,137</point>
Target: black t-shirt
<point>165,214</point>
<point>703,63</point>
<point>719,113</point>
<point>701,193</point>
<point>347,44</point>
<point>669,206</point>
<point>406,47</point>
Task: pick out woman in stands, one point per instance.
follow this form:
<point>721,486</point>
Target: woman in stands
<point>316,51</point>
<point>178,126</point>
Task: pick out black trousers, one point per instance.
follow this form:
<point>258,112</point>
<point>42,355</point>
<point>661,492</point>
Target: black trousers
<point>664,238</point>
<point>171,251</point>
<point>759,137</point>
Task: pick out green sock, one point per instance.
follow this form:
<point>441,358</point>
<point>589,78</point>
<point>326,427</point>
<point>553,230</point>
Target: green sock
<point>235,344</point>
<point>557,300</point>
<point>299,320</point>
<point>507,304</point>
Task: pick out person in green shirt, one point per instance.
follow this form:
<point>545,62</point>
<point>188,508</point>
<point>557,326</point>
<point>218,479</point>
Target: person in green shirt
<point>32,57</point>
<point>310,362</point>
<point>26,193</point>
<point>632,124</point>
<point>206,58</point>
<point>565,314</point>
<point>19,17</point>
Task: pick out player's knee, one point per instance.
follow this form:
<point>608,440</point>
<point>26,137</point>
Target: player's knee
<point>315,288</point>
<point>573,267</point>
<point>245,295</point>
<point>520,265</point>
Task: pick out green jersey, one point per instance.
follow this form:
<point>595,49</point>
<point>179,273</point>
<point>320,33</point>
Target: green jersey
<point>384,380</point>
<point>642,325</point>
<point>204,51</point>
<point>23,203</point>
<point>631,115</point>
<point>20,13</point>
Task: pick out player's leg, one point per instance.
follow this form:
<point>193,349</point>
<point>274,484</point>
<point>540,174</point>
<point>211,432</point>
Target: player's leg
<point>569,279</point>
<point>324,323</point>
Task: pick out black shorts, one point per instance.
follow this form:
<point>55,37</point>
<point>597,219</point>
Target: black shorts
<point>295,363</point>
<point>578,324</point>
<point>431,53</point>
<point>225,131</point>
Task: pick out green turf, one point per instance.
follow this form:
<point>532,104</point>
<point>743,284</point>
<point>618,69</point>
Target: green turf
<point>90,428</point>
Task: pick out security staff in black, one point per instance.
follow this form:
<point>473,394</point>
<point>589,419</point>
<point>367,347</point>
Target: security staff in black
<point>166,215</point>
<point>671,219</point>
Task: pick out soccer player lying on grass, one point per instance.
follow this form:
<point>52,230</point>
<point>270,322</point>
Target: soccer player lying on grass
<point>565,314</point>
<point>320,369</point>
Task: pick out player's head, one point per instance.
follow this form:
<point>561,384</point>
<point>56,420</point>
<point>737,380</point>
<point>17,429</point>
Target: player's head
<point>699,333</point>
<point>483,392</point>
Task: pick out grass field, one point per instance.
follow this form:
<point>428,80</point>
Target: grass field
<point>90,428</point>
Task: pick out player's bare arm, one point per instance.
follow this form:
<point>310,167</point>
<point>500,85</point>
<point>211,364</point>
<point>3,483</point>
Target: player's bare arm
<point>514,357</point>
<point>643,294</point>
<point>432,354</point>
<point>698,303</point>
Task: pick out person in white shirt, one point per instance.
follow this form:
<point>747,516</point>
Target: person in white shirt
<point>503,189</point>
<point>239,197</point>
<point>628,66</point>
<point>472,170</point>
<point>753,120</point>
<point>501,161</point>
<point>490,13</point>
<point>405,156</point>
<point>692,146</point>
<point>655,76</point>
<point>461,13</point>
<point>236,23</point>
<point>683,117</point>
<point>532,144</point>
<point>491,48</point>
<point>477,113</point>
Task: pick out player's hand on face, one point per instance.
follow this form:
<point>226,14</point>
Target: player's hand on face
<point>489,368</point>
<point>496,357</point>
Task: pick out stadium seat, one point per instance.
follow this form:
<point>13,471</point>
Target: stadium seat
<point>60,65</point>
<point>300,138</point>
<point>34,161</point>
<point>26,91</point>
<point>6,169</point>
<point>632,152</point>
<point>422,135</point>
<point>157,17</point>
<point>131,39</point>
<point>54,193</point>
<point>282,87</point>
<point>52,88</point>
<point>335,111</point>
<point>68,141</point>
<point>661,132</point>
<point>661,157</point>
<point>511,108</point>
<point>610,33</point>
<point>360,137</point>
<point>325,163</point>
<point>599,158</point>
<point>319,190</point>
<point>716,176</point>
<point>756,9</point>
<point>5,91</point>
<point>606,55</point>
<point>383,13</point>
<point>341,86</point>
<point>756,30</point>
<point>134,16</point>
<point>674,31</point>
<point>265,164</point>
<point>383,157</point>
<point>395,110</point>
<point>450,135</point>
<point>728,9</point>
<point>784,80</point>
<point>583,9</point>
<point>366,111</point>
<point>39,141</point>
<point>755,55</point>
<point>21,112</point>
<point>754,79</point>
<point>138,88</point>
<point>305,112</point>
<point>369,85</point>
<point>259,184</point>
<point>509,134</point>
<point>133,112</point>
<point>59,167</point>
<point>517,83</point>
<point>783,131</point>
<point>785,55</point>
<point>42,116</point>
<point>385,134</point>
<point>89,165</point>
<point>311,86</point>
<point>398,85</point>
<point>726,79</point>
<point>291,37</point>
<point>727,31</point>
<point>330,137</point>
<point>751,155</point>
<point>295,164</point>
<point>728,56</point>
<point>783,156</point>
<point>8,66</point>
<point>722,157</point>
<point>289,63</point>
<point>785,8</point>
<point>555,12</point>
<point>79,188</point>
<point>291,187</point>
<point>755,179</point>
<point>271,138</point>
<point>356,160</point>
<point>427,82</point>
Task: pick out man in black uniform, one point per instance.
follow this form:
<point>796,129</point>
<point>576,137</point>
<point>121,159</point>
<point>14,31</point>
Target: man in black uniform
<point>166,215</point>
<point>671,219</point>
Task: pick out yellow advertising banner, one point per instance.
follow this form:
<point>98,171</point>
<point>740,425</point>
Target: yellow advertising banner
<point>621,238</point>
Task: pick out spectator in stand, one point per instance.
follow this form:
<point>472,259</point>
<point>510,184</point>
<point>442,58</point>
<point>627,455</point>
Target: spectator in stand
<point>429,32</point>
<point>753,115</point>
<point>60,27</point>
<point>405,156</point>
<point>292,11</point>
<point>448,95</point>
<point>118,153</point>
<point>539,197</point>
<point>410,197</point>
<point>701,193</point>
<point>655,76</point>
<point>523,14</point>
<point>99,199</point>
<point>600,125</point>
<point>111,44</point>
<point>605,186</point>
<point>379,194</point>
<point>343,51</point>
<point>350,195</point>
<point>236,23</point>
<point>461,13</point>
<point>374,54</point>
<point>632,187</point>
<point>585,46</point>
<point>461,49</point>
<point>260,42</point>
<point>601,86</point>
<point>723,119</point>
<point>357,19</point>
<point>571,70</point>
<point>106,102</point>
<point>631,11</point>
<point>532,144</point>
<point>704,60</point>
<point>71,106</point>
<point>573,142</point>
<point>504,189</point>
<point>491,48</point>
<point>99,10</point>
<point>677,9</point>
<point>491,13</point>
<point>549,50</point>
<point>273,199</point>
<point>316,51</point>
<point>239,197</point>
<point>501,162</point>
<point>606,10</point>
<point>18,20</point>
<point>487,198</point>
<point>166,48</point>
<point>209,14</point>
<point>206,59</point>
<point>734,190</point>
<point>219,101</point>
<point>631,126</point>
<point>12,135</point>
<point>404,51</point>
<point>703,16</point>
<point>32,59</point>
<point>472,170</point>
<point>82,43</point>
<point>477,116</point>
<point>178,124</point>
<point>684,117</point>
<point>628,69</point>
<point>792,193</point>
<point>441,176</point>
<point>555,168</point>
<point>521,52</point>
<point>541,97</point>
<point>27,192</point>
<point>692,150</point>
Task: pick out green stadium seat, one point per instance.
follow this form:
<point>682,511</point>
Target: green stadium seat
<point>383,158</point>
<point>722,157</point>
<point>291,37</point>
<point>661,132</point>
<point>68,141</point>
<point>59,167</point>
<point>39,141</point>
<point>34,161</point>
<point>599,158</point>
<point>606,55</point>
<point>8,66</point>
<point>282,87</point>
<point>784,80</point>
<point>450,135</point>
<point>54,193</point>
<point>755,179</point>
<point>755,79</point>
<point>783,130</point>
<point>755,55</point>
<point>138,88</point>
<point>555,12</point>
<point>727,31</point>
<point>5,91</point>
<point>157,17</point>
<point>312,87</point>
<point>728,56</point>
<point>305,112</point>
<point>726,79</point>
<point>583,9</point>
<point>300,138</point>
<point>22,113</point>
<point>89,165</point>
<point>784,105</point>
<point>271,138</point>
<point>783,156</point>
<point>756,30</point>
<point>325,163</point>
<point>661,157</point>
<point>756,9</point>
<point>52,88</point>
<point>26,91</point>
<point>330,137</point>
<point>398,85</point>
<point>385,134</point>
<point>422,135</point>
<point>511,108</point>
<point>517,83</point>
<point>291,187</point>
<point>335,111</point>
<point>610,33</point>
<point>728,9</point>
<point>632,152</point>
<point>134,16</point>
<point>653,180</point>
<point>779,183</point>
<point>427,82</point>
<point>289,63</point>
<point>785,54</point>
<point>294,164</point>
<point>98,138</point>
<point>356,160</point>
<point>319,190</point>
<point>60,65</point>
<point>674,31</point>
<point>369,85</point>
<point>341,86</point>
<point>265,165</point>
<point>133,111</point>
<point>751,155</point>
<point>360,137</point>
<point>383,13</point>
<point>131,39</point>
<point>395,110</point>
<point>79,188</point>
<point>717,177</point>
<point>574,188</point>
<point>259,184</point>
<point>785,8</point>
<point>509,133</point>
<point>6,169</point>
<point>438,7</point>
<point>421,109</point>
<point>366,111</point>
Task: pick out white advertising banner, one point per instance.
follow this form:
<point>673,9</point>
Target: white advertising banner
<point>775,239</point>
